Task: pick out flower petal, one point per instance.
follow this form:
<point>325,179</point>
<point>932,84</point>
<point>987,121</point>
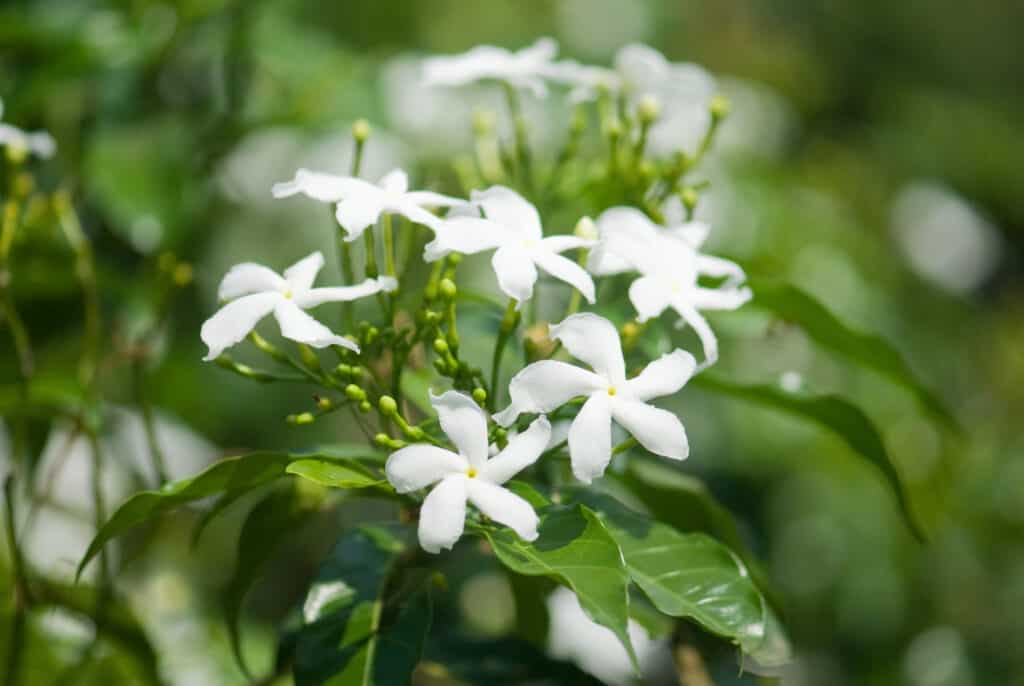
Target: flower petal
<point>301,275</point>
<point>417,466</point>
<point>511,210</point>
<point>545,386</point>
<point>395,181</point>
<point>464,423</point>
<point>522,451</point>
<point>317,296</point>
<point>234,321</point>
<point>563,243</point>
<point>322,187</point>
<point>590,438</point>
<point>694,233</point>
<point>357,212</point>
<point>664,376</point>
<point>566,270</point>
<point>299,326</point>
<point>415,213</point>
<point>658,430</point>
<point>703,330</point>
<point>432,199</point>
<point>593,339</point>
<point>443,514</point>
<point>650,297</point>
<point>515,271</point>
<point>720,298</point>
<point>504,507</point>
<point>465,235</point>
<point>484,61</point>
<point>249,277</point>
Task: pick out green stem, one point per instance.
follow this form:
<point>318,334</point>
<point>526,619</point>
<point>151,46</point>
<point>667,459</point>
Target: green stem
<point>508,325</point>
<point>85,269</point>
<point>156,455</point>
<point>389,244</point>
<point>624,446</point>
<point>524,163</point>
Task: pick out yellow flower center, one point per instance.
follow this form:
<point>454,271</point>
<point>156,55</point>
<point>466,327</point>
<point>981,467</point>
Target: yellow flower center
<point>288,293</point>
<point>471,472</point>
<point>611,390</point>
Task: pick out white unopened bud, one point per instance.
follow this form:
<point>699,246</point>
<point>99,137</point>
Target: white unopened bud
<point>586,229</point>
<point>649,109</point>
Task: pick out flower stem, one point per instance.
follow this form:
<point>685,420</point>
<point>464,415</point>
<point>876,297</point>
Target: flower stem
<point>156,455</point>
<point>624,446</point>
<point>508,326</point>
<point>524,163</point>
<point>86,272</point>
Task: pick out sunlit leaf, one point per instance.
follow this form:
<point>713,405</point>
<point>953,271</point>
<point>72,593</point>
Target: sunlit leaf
<point>333,474</point>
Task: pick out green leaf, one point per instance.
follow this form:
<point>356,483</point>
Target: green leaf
<point>574,549</point>
<point>350,635</point>
<point>687,575</point>
<point>794,305</point>
<point>333,474</point>
<point>501,662</point>
<point>834,413</point>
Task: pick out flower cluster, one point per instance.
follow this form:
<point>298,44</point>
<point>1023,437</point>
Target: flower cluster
<point>667,261</point>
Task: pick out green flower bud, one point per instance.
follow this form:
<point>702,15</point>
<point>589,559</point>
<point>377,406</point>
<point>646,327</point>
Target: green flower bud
<point>720,107</point>
<point>689,196</point>
<point>480,396</point>
<point>441,366</point>
<point>365,406</point>
<point>387,405</point>
<point>649,109</point>
<point>302,418</point>
<point>324,403</point>
<point>361,130</point>
<point>343,370</point>
<point>415,433</point>
<point>612,128</point>
<point>382,440</point>
<point>353,392</point>
<point>454,259</point>
<point>448,289</point>
<point>440,346</point>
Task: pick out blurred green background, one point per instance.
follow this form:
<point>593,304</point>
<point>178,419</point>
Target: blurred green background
<point>872,158</point>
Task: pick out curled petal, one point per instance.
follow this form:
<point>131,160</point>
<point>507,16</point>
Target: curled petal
<point>650,297</point>
<point>359,211</point>
<point>593,339</point>
<point>395,181</point>
<point>720,298</point>
<point>322,187</point>
<point>664,376</point>
<point>317,296</point>
<point>515,271</point>
<point>658,430</point>
<point>566,270</point>
<point>710,265</point>
<point>248,277</point>
<point>703,330</point>
<point>522,451</point>
<point>234,321</point>
<point>417,466</point>
<point>545,386</point>
<point>299,326</point>
<point>465,235</point>
<point>443,514</point>
<point>511,210</point>
<point>590,438</point>
<point>415,213</point>
<point>464,423</point>
<point>301,275</point>
<point>504,507</point>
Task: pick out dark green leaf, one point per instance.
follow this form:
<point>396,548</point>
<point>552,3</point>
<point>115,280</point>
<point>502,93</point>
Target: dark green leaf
<point>528,493</point>
<point>501,662</point>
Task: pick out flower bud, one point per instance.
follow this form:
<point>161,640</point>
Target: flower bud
<point>343,370</point>
<point>365,406</point>
<point>300,419</point>
<point>324,403</point>
<point>454,259</point>
<point>182,274</point>
<point>382,440</point>
<point>612,128</point>
<point>441,366</point>
<point>689,196</point>
<point>440,346</point>
<point>649,109</point>
<point>387,405</point>
<point>480,396</point>
<point>415,433</point>
<point>360,130</point>
<point>720,107</point>
<point>353,392</point>
<point>483,122</point>
<point>448,289</point>
<point>586,229</point>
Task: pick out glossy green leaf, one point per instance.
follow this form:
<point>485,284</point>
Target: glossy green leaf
<point>834,413</point>
<point>794,305</point>
<point>574,549</point>
<point>333,474</point>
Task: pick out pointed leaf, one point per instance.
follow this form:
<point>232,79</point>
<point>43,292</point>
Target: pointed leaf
<point>334,474</point>
<point>502,662</point>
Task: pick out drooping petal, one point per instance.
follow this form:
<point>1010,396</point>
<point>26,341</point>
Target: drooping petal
<point>464,423</point>
<point>417,466</point>
<point>515,271</point>
<point>415,213</point>
<point>658,430</point>
<point>566,270</point>
<point>590,438</point>
<point>563,243</point>
<point>650,296</point>
<point>720,298</point>
<point>664,376</point>
<point>301,275</point>
<point>504,507</point>
<point>522,451</point>
<point>443,514</point>
<point>359,211</point>
<point>299,326</point>
<point>700,325</point>
<point>395,181</point>
<point>593,339</point>
<point>317,296</point>
<point>322,187</point>
<point>234,321</point>
<point>545,386</point>
<point>432,199</point>
<point>511,210</point>
<point>249,277</point>
<point>465,235</point>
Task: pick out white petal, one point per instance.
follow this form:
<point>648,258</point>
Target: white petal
<point>317,296</point>
<point>415,213</point>
<point>417,466</point>
<point>481,62</point>
<point>623,231</point>
<point>593,339</point>
<point>248,277</point>
<point>322,187</point>
<point>301,275</point>
<point>443,514</point>
<point>563,243</point>
<point>464,423</point>
<point>664,376</point>
<point>700,325</point>
<point>515,271</point>
<point>720,298</point>
<point>694,233</point>
<point>299,326</point>
<point>641,64</point>
<point>566,270</point>
<point>357,212</point>
<point>545,386</point>
<point>650,297</point>
<point>511,210</point>
<point>658,430</point>
<point>395,181</point>
<point>234,321</point>
<point>522,450</point>
<point>465,235</point>
<point>590,438</point>
<point>504,507</point>
<point>543,50</point>
<point>432,199</point>
<point>42,144</point>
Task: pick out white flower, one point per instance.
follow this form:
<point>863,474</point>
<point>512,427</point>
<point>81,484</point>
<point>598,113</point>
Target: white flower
<point>526,68</point>
<point>512,227</point>
<point>39,143</point>
<point>360,203</point>
<point>547,385</point>
<point>467,475</point>
<point>670,263</point>
<point>254,291</point>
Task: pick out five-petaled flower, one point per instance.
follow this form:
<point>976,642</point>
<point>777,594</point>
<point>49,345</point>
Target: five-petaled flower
<point>512,227</point>
<point>547,385</point>
<point>21,143</point>
<point>670,264</point>
<point>361,203</point>
<point>254,291</point>
<point>467,475</point>
<point>526,68</point>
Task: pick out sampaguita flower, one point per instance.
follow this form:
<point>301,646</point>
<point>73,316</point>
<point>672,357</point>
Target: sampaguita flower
<point>467,475</point>
<point>254,291</point>
<point>526,68</point>
<point>547,385</point>
<point>20,142</point>
<point>512,227</point>
<point>361,203</point>
<point>670,263</point>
